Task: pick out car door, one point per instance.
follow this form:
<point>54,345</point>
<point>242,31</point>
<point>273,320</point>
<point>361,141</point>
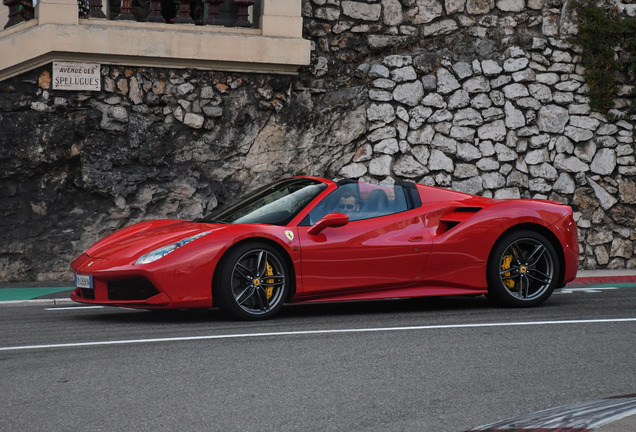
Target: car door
<point>375,252</point>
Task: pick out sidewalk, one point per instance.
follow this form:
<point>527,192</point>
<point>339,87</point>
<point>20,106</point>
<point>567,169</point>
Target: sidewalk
<point>33,293</point>
<point>604,277</point>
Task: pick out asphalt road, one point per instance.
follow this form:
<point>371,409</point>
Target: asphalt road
<point>437,365</point>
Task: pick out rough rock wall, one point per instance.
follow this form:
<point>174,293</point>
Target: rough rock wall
<point>480,96</point>
<point>74,167</point>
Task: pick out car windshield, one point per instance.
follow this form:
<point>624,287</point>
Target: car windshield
<point>275,204</point>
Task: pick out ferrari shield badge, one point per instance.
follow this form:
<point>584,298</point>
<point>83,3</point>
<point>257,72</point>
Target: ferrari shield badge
<point>290,235</point>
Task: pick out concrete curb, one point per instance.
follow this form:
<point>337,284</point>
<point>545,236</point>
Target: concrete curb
<point>37,302</point>
<point>604,277</point>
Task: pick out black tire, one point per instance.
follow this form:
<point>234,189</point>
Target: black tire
<point>523,269</point>
<point>251,282</point>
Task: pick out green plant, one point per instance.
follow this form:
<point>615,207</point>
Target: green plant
<point>601,31</point>
<point>631,60</point>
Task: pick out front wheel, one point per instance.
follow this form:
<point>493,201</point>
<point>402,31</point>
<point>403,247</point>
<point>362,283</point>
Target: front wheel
<point>252,282</point>
<point>523,269</point>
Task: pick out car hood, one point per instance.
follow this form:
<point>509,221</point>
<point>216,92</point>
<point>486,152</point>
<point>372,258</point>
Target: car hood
<point>141,238</point>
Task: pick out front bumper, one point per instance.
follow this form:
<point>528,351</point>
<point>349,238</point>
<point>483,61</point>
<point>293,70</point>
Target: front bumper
<point>135,287</point>
<point>130,292</point>
<point>566,231</point>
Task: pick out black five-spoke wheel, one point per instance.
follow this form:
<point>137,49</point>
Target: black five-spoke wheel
<point>252,282</point>
<point>523,269</point>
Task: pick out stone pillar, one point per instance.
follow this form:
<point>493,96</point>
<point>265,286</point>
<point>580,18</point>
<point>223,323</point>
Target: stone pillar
<point>57,12</point>
<point>183,14</point>
<point>96,9</point>
<point>282,18</point>
<point>242,18</point>
<point>155,12</point>
<point>27,9</point>
<point>126,11</point>
<point>213,11</point>
<point>14,12</point>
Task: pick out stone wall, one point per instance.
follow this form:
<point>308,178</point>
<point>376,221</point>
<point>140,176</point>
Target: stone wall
<point>479,96</point>
<point>486,97</point>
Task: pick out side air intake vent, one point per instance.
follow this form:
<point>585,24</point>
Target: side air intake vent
<point>457,216</point>
<point>467,210</point>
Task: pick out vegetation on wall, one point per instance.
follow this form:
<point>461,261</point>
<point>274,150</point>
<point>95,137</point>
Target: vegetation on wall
<point>602,30</point>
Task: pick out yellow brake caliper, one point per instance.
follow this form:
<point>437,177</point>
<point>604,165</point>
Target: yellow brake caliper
<point>507,260</point>
<point>270,289</point>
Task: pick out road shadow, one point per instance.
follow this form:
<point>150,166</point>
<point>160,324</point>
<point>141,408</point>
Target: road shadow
<point>383,307</point>
<point>290,312</point>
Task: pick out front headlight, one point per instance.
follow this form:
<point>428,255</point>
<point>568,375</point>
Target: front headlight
<point>163,251</point>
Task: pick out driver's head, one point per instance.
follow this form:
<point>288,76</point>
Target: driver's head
<point>348,203</point>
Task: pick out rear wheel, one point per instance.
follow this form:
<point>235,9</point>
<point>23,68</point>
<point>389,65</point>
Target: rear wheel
<point>523,269</point>
<point>252,282</point>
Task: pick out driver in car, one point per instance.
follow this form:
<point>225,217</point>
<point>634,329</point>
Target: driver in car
<point>348,204</point>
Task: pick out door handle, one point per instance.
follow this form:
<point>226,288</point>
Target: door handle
<point>416,239</point>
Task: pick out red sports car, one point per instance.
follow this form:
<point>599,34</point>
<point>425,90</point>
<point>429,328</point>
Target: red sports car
<point>306,239</point>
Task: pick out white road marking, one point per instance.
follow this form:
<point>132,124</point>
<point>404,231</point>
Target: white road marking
<point>313,332</point>
<point>73,308</point>
<point>584,290</point>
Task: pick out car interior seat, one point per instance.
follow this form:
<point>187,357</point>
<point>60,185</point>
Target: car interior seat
<point>378,202</point>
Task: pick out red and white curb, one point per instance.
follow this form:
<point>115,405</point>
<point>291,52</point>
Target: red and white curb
<point>580,417</point>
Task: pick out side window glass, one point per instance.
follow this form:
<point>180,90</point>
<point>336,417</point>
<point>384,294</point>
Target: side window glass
<point>361,201</point>
<point>382,200</point>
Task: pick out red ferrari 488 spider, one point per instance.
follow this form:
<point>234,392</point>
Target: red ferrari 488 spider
<point>305,239</point>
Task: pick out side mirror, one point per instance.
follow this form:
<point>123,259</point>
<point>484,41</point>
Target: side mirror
<point>331,220</point>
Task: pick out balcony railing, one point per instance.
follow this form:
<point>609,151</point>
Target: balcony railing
<point>19,10</point>
<point>228,13</point>
<point>259,36</point>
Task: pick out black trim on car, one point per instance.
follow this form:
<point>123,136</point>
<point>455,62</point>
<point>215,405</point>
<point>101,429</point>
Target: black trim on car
<point>136,288</point>
<point>412,195</point>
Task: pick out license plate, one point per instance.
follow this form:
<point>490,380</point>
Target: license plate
<point>83,281</point>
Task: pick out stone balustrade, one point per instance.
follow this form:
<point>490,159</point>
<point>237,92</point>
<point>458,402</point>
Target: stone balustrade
<point>272,44</point>
<point>230,13</point>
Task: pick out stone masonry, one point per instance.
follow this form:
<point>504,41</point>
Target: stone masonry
<point>486,97</point>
